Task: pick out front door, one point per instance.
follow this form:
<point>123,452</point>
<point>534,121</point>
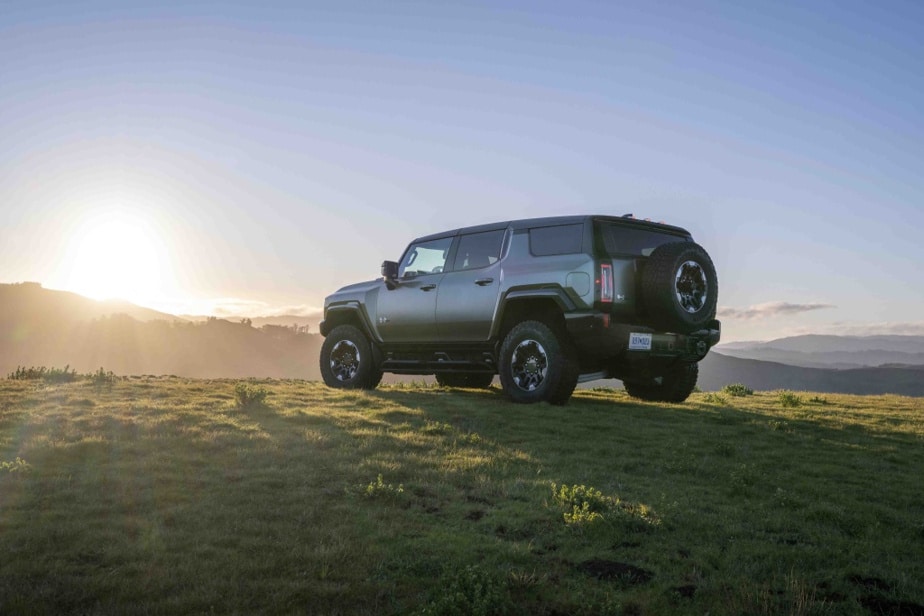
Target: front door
<point>407,313</point>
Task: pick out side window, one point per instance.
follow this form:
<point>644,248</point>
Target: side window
<point>425,258</point>
<point>560,240</point>
<point>478,250</point>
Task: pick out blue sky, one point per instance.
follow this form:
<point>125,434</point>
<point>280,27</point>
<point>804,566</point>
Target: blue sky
<point>258,156</point>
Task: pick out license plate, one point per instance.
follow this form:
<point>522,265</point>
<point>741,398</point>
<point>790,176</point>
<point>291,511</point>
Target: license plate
<point>639,342</point>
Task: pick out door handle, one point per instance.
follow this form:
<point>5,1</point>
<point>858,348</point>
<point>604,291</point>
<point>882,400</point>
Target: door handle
<point>483,282</point>
<point>428,287</point>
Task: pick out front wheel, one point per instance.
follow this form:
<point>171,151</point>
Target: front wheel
<point>347,361</point>
<point>675,385</point>
<point>536,364</point>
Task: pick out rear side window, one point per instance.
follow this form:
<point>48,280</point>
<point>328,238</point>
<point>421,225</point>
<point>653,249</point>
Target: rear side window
<point>619,240</point>
<point>561,240</point>
<point>478,250</point>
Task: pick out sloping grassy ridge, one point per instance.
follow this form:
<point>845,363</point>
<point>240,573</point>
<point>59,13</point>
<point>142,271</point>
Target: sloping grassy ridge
<point>167,496</point>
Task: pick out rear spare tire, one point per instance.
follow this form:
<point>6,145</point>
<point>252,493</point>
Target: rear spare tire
<point>679,287</point>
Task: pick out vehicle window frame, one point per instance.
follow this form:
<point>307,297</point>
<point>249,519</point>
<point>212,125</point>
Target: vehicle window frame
<point>498,254</point>
<point>578,226</point>
<point>602,230</point>
<point>448,252</point>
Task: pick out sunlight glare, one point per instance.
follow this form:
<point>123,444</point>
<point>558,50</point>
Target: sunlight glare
<point>116,257</point>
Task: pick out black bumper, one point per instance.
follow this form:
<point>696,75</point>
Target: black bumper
<point>600,336</point>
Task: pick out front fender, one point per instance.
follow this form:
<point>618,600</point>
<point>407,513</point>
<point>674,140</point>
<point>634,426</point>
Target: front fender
<point>349,312</point>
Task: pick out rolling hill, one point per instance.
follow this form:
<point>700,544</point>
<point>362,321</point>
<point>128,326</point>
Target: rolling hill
<point>43,327</point>
<point>718,370</point>
<point>814,351</point>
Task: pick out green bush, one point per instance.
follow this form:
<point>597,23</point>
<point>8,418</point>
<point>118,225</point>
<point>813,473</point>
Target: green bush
<point>49,375</point>
<point>585,505</point>
<point>471,591</point>
<point>581,504</point>
<point>789,400</point>
<point>379,488</point>
<point>16,466</point>
<point>249,396</point>
<point>102,378</point>
<point>738,390</point>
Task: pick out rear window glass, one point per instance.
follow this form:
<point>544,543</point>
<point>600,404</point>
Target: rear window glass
<point>619,240</point>
<point>479,250</point>
<point>560,240</point>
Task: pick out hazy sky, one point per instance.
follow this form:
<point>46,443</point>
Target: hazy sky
<point>256,156</point>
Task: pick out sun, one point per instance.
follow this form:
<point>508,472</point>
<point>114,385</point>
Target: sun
<point>115,256</point>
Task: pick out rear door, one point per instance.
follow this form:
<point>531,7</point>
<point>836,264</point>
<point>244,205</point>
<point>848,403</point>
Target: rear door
<point>469,290</point>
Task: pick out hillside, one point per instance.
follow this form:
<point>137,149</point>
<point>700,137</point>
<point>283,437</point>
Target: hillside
<point>30,305</point>
<point>41,327</point>
<point>815,351</point>
<point>718,370</point>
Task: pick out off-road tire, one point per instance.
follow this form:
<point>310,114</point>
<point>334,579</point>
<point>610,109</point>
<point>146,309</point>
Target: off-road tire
<point>679,287</point>
<point>347,360</point>
<point>473,380</point>
<point>537,364</point>
<point>675,385</point>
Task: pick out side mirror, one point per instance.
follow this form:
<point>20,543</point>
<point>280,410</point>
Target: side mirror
<point>390,273</point>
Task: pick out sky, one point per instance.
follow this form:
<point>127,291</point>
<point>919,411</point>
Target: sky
<point>250,158</point>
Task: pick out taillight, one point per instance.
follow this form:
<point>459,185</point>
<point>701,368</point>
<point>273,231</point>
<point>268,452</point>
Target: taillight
<point>606,283</point>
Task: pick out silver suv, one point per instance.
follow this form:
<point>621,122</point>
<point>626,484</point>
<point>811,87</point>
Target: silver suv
<point>544,303</point>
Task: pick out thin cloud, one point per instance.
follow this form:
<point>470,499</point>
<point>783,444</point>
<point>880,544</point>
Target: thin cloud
<point>769,310</point>
<point>232,307</point>
<point>250,308</point>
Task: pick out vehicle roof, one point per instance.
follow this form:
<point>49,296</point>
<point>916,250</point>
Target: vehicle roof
<point>530,223</point>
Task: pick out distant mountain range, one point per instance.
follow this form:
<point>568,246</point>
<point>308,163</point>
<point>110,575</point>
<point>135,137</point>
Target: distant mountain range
<point>718,370</point>
<point>841,352</point>
<point>43,327</point>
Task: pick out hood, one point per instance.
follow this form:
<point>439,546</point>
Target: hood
<point>353,290</point>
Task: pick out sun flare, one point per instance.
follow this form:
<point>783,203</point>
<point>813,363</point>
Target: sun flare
<point>115,257</point>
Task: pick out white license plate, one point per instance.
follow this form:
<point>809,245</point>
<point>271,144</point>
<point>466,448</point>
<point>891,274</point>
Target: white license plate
<point>639,342</point>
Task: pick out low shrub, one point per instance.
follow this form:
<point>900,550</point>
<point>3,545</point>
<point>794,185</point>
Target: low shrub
<point>101,378</point>
<point>789,399</point>
<point>378,489</point>
<point>41,373</point>
<point>738,390</point>
<point>471,591</point>
<point>249,396</point>
<point>16,466</point>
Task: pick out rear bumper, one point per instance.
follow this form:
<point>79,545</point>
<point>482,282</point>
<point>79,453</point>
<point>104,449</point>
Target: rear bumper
<point>600,337</point>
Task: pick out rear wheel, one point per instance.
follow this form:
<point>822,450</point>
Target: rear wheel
<point>675,385</point>
<point>536,364</point>
<point>347,361</point>
<point>473,380</point>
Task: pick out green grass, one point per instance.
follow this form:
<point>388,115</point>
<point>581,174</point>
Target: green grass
<point>175,496</point>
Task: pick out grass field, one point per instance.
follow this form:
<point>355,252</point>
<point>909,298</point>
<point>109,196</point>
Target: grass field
<point>172,496</point>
